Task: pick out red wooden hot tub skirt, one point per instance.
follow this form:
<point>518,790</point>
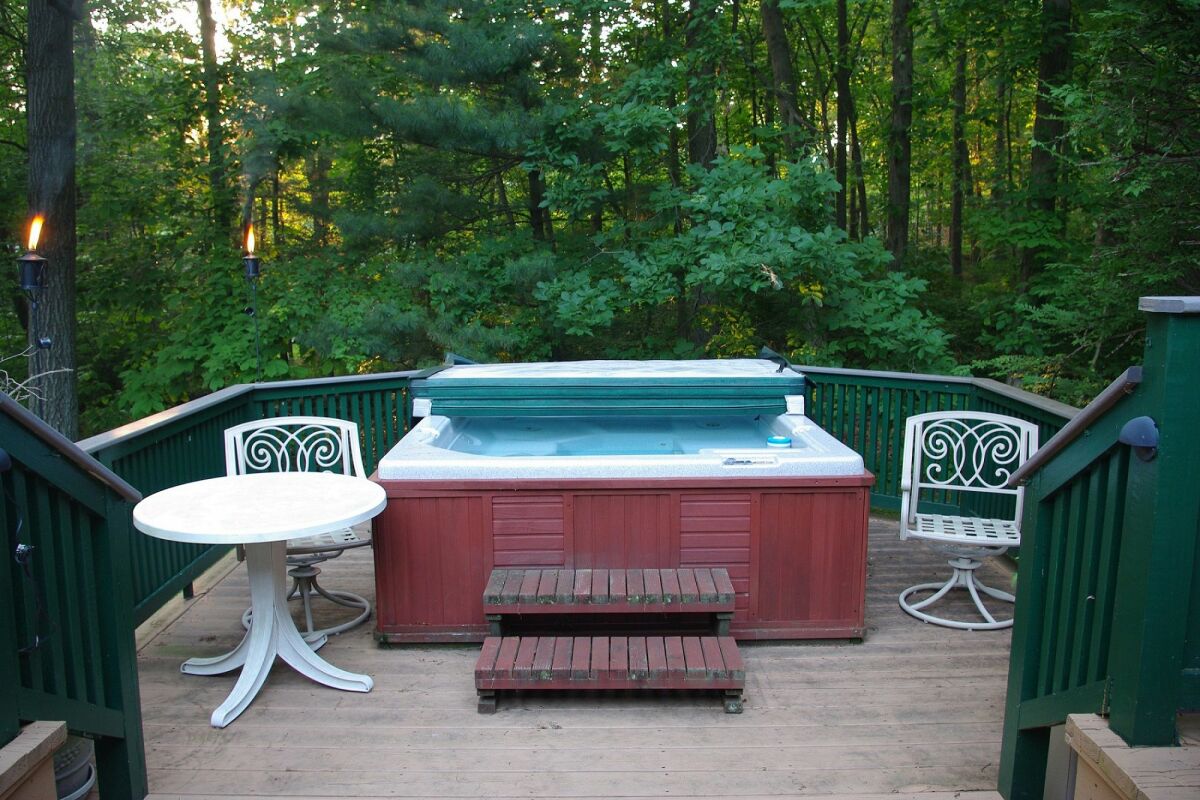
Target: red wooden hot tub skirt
<point>795,548</point>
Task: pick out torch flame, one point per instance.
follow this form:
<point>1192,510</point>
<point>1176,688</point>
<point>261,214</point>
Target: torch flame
<point>250,239</point>
<point>35,231</point>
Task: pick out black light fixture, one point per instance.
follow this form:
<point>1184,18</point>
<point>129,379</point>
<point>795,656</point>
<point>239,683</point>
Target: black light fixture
<point>1141,434</point>
<point>253,267</point>
<point>31,272</point>
<point>250,261</point>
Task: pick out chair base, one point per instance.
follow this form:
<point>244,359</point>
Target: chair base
<point>305,586</point>
<point>963,577</point>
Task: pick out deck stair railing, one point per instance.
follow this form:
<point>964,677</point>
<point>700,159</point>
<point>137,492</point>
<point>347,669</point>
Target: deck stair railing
<point>66,610</point>
<point>1108,590</point>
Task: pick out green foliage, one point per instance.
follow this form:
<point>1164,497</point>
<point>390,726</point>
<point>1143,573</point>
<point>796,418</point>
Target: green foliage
<point>509,180</point>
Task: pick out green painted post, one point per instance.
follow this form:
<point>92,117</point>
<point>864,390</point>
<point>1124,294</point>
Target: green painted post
<point>10,670</point>
<point>1162,524</point>
<point>1023,751</point>
<point>120,761</point>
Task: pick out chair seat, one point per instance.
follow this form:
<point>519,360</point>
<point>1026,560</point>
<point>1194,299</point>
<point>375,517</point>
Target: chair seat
<point>344,539</point>
<point>973,531</point>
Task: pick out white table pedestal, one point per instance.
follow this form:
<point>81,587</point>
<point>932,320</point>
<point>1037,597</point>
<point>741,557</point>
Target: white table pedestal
<point>272,633</point>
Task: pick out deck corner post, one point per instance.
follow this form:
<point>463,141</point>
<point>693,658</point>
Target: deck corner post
<point>1153,626</point>
<point>121,761</point>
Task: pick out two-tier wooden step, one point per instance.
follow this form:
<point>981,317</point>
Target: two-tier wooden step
<point>656,600</point>
<point>609,591</point>
<point>610,662</point>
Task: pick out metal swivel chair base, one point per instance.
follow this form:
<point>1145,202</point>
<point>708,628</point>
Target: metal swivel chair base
<point>305,586</point>
<point>963,577</point>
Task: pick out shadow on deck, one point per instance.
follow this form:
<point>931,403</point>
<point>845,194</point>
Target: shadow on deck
<point>914,710</point>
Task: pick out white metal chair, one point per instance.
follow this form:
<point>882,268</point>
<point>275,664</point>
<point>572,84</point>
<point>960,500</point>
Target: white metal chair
<point>948,456</point>
<point>305,444</point>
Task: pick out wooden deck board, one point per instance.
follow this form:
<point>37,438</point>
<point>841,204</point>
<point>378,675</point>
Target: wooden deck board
<point>913,712</point>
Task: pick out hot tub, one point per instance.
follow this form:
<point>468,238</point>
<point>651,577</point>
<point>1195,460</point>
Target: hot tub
<point>664,476</point>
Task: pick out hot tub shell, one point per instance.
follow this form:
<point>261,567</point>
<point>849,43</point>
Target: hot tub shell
<point>794,544</point>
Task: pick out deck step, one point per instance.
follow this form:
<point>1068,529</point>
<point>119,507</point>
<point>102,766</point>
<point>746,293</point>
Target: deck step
<point>534,591</point>
<point>597,663</point>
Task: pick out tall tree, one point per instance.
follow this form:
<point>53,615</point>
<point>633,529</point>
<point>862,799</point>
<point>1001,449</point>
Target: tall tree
<point>899,151</point>
<point>50,114</point>
<point>958,157</point>
<point>783,81</point>
<point>699,37</point>
<point>1049,126</point>
<point>843,110</point>
<point>218,182</point>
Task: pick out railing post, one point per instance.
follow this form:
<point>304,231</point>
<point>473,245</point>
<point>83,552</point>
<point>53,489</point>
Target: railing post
<point>10,676</point>
<point>121,762</point>
<point>1162,522</point>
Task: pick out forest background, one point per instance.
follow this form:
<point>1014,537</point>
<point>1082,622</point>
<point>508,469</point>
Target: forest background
<point>948,186</point>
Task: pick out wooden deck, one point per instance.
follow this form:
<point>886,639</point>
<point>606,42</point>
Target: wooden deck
<point>915,710</point>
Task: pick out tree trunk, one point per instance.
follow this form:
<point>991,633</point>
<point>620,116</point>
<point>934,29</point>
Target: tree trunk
<point>701,122</point>
<point>50,117</point>
<point>958,157</point>
<point>1048,125</point>
<point>860,181</point>
<point>221,196</point>
<point>783,81</point>
<point>276,215</point>
<point>319,165</point>
<point>899,155</point>
<point>1000,148</point>
<point>843,109</point>
<point>536,212</point>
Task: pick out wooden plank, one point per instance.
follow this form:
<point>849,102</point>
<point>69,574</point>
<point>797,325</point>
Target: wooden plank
<point>616,586</point>
<point>547,586</point>
<point>581,658</point>
<point>511,592</point>
<point>670,585</point>
<point>495,587</point>
<point>706,585</point>
<point>486,663</point>
<point>599,586</point>
<point>653,583</point>
<point>676,663</point>
<point>618,657</point>
<point>529,585</point>
<point>693,654</point>
<point>635,586</point>
<point>732,657</point>
<point>523,667</point>
<point>560,667</point>
<point>714,662</point>
<point>689,587</point>
<point>565,591</point>
<point>583,586</point>
<point>725,591</point>
<point>599,656</point>
<point>639,664</point>
<point>543,657</point>
<point>656,657</point>
<point>506,658</point>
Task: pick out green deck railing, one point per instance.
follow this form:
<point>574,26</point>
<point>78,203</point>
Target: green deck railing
<point>1108,608</point>
<point>66,628</point>
<point>866,411</point>
<point>186,443</point>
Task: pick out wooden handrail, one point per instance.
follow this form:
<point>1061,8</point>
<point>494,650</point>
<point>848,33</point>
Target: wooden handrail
<point>1123,385</point>
<point>67,449</point>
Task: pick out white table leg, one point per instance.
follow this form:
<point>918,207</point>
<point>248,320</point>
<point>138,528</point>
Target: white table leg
<point>272,632</point>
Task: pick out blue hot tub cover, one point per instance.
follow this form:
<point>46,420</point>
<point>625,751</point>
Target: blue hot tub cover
<point>592,388</point>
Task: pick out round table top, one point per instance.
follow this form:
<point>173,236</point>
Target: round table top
<point>262,507</point>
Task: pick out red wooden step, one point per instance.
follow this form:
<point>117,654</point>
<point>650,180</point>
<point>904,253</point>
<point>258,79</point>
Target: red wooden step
<point>609,591</point>
<point>595,663</point>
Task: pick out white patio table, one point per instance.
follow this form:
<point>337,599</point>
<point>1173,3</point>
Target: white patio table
<point>262,511</point>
